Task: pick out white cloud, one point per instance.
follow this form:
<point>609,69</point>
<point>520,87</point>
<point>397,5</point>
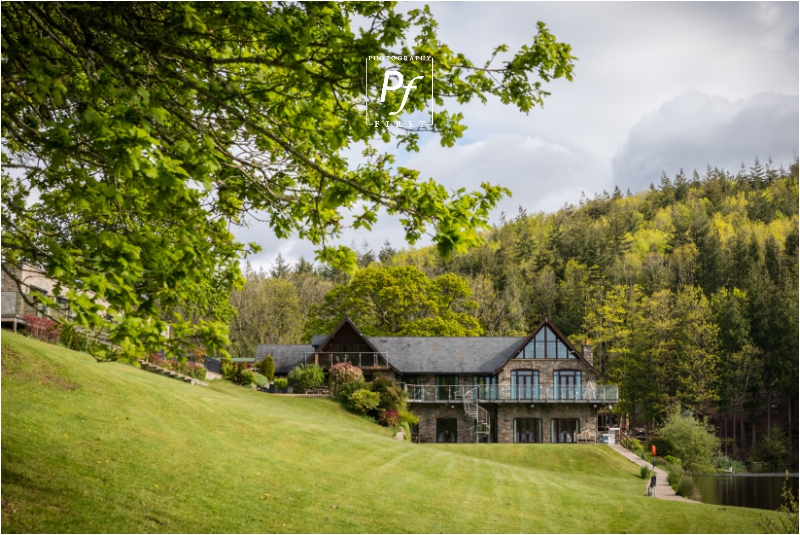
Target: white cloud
<point>695,129</point>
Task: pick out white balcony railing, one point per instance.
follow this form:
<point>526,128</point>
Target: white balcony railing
<point>515,394</point>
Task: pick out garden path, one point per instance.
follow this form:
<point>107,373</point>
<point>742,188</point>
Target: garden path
<point>663,489</point>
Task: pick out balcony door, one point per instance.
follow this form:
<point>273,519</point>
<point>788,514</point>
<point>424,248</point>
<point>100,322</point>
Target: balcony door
<point>524,384</point>
<point>567,384</point>
<point>446,387</point>
<point>486,387</point>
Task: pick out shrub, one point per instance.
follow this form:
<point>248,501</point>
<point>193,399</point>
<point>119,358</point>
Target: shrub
<point>343,373</point>
<point>281,383</point>
<point>197,371</point>
<point>42,328</point>
<point>306,376</point>
<point>406,430</point>
<point>259,379</point>
<point>347,389</point>
<point>389,418</point>
<point>267,367</point>
<point>392,397</point>
<point>772,449</point>
<point>688,489</point>
<point>673,460</point>
<point>632,445</point>
<point>690,439</point>
<point>364,401</point>
<point>246,378</point>
<point>644,472</point>
<point>228,369</point>
<point>409,417</point>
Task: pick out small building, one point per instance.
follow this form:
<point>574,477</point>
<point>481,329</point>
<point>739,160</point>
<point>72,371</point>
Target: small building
<point>532,389</point>
<point>21,299</point>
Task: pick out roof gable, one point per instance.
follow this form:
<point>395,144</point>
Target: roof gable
<point>547,324</point>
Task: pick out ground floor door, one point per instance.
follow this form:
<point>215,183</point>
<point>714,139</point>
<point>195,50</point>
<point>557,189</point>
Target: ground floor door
<point>564,430</point>
<point>527,430</point>
<point>446,430</point>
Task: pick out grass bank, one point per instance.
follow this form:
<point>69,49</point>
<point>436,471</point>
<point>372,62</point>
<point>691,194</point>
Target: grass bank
<point>91,447</point>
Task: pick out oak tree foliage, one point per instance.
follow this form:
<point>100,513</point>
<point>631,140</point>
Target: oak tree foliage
<point>136,133</point>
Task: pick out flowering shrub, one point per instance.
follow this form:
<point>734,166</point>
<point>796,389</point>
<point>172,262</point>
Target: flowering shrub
<point>343,373</point>
<point>43,329</point>
<point>389,418</point>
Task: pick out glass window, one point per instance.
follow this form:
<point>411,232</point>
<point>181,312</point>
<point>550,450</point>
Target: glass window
<point>446,387</point>
<point>527,430</point>
<point>446,430</point>
<point>487,386</point>
<point>564,430</point>
<point>567,384</point>
<point>524,384</point>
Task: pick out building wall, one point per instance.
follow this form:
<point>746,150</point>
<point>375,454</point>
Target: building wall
<point>504,414</point>
<point>546,367</point>
<point>585,412</point>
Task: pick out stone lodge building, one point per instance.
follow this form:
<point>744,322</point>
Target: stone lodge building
<point>534,389</point>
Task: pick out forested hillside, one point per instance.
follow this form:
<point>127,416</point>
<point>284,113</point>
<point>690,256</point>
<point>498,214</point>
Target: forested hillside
<point>688,291</point>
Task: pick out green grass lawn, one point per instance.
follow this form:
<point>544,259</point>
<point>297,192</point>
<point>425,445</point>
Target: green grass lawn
<point>90,447</point>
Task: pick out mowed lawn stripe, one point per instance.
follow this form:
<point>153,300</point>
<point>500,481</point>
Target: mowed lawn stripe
<point>91,447</point>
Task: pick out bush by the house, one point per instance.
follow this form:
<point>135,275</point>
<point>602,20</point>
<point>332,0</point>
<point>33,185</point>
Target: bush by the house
<point>392,397</point>
<point>281,383</point>
<point>267,368</point>
<point>306,376</point>
<point>363,401</point>
<point>42,328</point>
<point>247,378</point>
<point>228,369</point>
<point>260,380</point>
<point>406,430</point>
<point>347,389</point>
<point>389,418</point>
<point>690,439</point>
<point>409,417</point>
<point>196,371</point>
<point>343,373</point>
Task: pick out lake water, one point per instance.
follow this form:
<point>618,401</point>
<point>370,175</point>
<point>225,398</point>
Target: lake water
<point>762,491</point>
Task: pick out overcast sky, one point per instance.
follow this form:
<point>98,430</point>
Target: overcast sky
<point>658,87</point>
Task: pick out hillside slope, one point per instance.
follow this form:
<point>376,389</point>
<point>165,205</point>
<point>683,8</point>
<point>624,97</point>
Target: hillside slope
<point>91,447</point>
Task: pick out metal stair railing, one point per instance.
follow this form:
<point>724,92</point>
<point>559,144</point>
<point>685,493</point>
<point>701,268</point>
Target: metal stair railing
<point>477,414</point>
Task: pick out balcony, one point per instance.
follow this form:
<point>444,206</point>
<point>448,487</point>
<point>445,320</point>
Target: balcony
<point>515,394</point>
<point>363,360</point>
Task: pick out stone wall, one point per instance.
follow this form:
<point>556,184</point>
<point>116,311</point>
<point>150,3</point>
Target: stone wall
<point>546,367</point>
<point>429,413</point>
<point>586,413</point>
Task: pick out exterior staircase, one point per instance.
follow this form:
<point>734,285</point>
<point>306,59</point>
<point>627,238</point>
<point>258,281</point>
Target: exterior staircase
<point>169,373</point>
<point>477,414</point>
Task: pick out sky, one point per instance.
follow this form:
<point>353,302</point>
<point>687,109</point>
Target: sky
<point>658,87</point>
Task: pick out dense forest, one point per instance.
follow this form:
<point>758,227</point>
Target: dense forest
<point>688,292</point>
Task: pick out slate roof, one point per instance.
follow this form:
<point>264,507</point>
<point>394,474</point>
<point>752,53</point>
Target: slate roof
<point>317,339</point>
<point>414,354</point>
<point>285,357</point>
<point>436,354</point>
